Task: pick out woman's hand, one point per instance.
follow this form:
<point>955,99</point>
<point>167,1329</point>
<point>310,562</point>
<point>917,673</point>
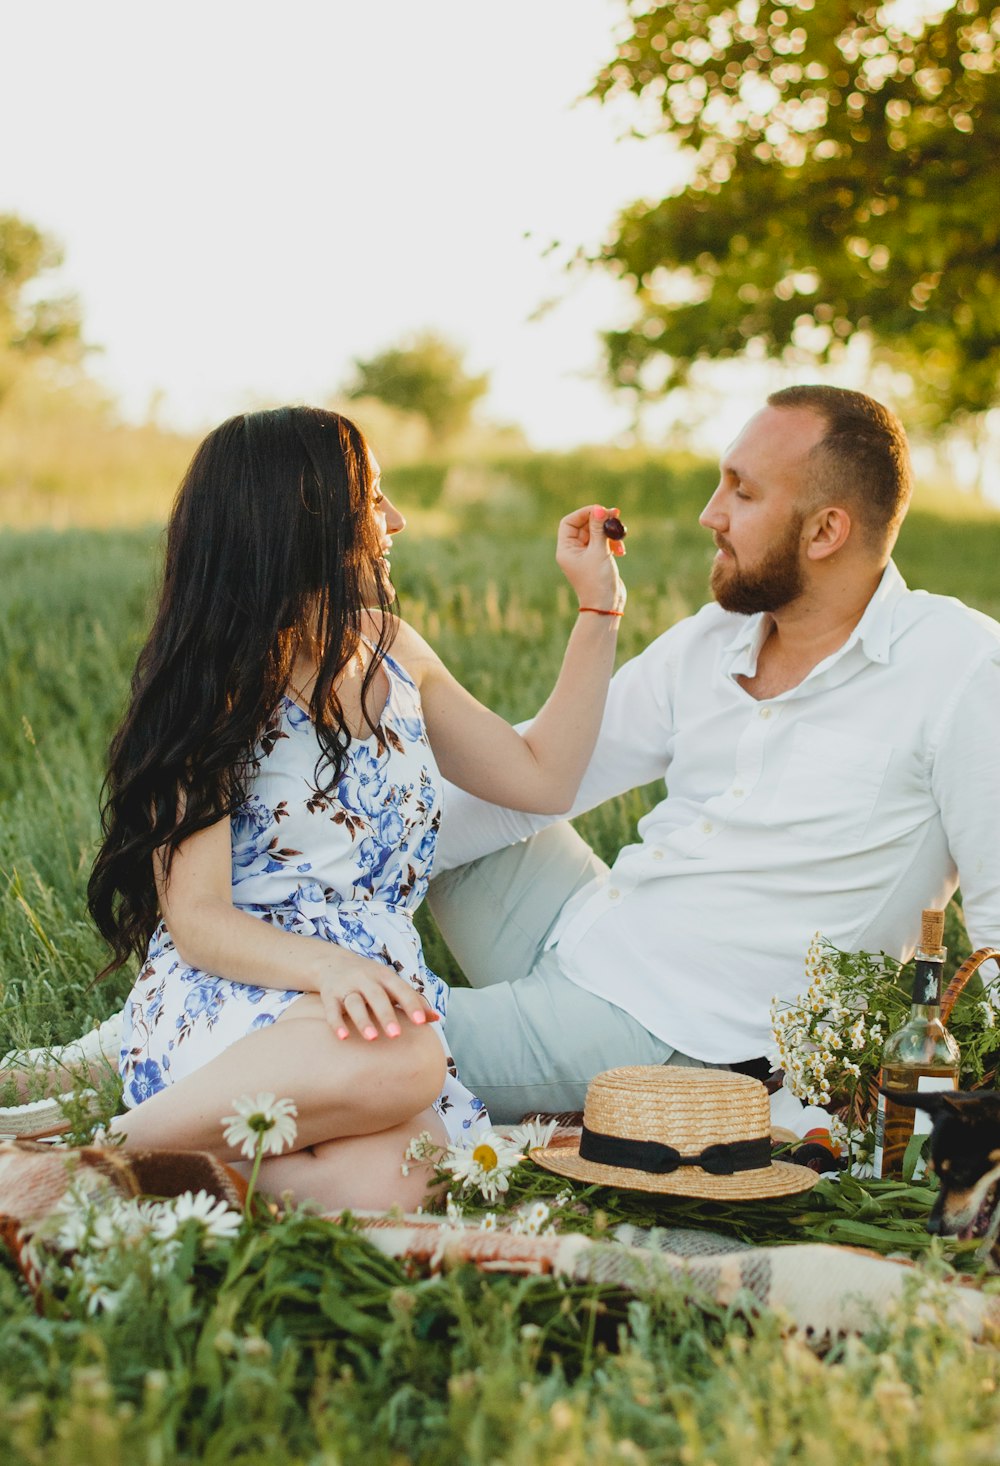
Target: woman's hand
<point>540,769</point>
<point>587,558</point>
<point>356,990</point>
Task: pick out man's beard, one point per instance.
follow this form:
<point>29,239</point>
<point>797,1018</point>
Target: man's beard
<point>772,583</point>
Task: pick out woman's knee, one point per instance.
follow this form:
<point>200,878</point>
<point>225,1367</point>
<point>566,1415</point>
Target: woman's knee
<point>362,1172</point>
<point>389,1078</point>
<point>419,1069</point>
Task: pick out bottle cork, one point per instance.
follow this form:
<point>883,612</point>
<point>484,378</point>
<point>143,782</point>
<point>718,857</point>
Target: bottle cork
<point>931,930</point>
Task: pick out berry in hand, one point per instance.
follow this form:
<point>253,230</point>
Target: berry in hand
<point>614,529</point>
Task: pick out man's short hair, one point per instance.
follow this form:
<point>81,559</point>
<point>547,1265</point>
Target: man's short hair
<point>863,458</point>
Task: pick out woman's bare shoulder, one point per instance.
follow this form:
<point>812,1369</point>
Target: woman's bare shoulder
<point>406,644</point>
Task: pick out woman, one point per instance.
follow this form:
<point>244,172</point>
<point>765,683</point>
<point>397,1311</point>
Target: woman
<point>272,804</point>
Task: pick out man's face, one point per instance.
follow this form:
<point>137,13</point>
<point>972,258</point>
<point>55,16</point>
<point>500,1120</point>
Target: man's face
<point>755,514</point>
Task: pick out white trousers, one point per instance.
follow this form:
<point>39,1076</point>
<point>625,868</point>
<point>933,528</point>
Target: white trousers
<point>525,1037</point>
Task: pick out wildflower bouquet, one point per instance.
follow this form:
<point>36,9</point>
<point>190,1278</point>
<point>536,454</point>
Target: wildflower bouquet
<point>481,1172</point>
<point>829,1039</point>
<point>102,1254</point>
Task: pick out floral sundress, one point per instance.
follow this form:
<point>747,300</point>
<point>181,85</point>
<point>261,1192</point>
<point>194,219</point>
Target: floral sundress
<point>350,866</point>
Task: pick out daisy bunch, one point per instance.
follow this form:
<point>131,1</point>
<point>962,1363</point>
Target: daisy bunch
<point>101,1250</point>
<point>482,1167</point>
<point>489,1168</point>
<point>828,1039</point>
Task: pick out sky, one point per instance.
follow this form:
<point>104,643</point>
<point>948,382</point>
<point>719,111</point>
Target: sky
<point>250,195</point>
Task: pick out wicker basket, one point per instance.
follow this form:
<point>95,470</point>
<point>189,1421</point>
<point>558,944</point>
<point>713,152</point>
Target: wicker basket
<point>969,966</point>
<point>865,1103</point>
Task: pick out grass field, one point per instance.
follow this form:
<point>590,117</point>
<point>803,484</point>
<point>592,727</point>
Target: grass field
<point>475,574</point>
<point>293,1356</point>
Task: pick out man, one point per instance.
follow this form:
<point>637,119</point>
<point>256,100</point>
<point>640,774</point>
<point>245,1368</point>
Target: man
<point>828,740</point>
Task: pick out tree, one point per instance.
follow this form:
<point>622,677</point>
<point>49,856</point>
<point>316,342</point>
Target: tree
<point>425,375</point>
<point>844,181</point>
<point>32,325</point>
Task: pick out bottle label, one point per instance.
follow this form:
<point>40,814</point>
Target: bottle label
<point>927,982</point>
<point>879,1138</point>
<point>927,1084</point>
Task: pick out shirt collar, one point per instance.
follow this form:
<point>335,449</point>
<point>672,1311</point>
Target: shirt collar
<point>873,632</point>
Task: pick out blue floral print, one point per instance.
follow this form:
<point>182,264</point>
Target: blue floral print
<point>349,865</point>
<point>146,1080</point>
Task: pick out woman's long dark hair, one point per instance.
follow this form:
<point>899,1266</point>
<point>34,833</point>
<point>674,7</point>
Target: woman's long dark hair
<point>272,539</point>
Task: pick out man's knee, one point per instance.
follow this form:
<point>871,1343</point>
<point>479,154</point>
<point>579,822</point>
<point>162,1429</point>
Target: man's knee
<point>496,913</point>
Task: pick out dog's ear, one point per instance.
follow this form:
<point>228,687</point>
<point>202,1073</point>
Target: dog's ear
<point>971,1107</point>
<point>933,1103</point>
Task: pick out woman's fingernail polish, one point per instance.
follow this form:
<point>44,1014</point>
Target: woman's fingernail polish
<point>371,1032</point>
<point>420,1017</point>
<point>392,1029</point>
<point>342,1033</point>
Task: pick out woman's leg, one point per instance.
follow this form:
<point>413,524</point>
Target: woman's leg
<point>341,1087</point>
<point>361,1172</point>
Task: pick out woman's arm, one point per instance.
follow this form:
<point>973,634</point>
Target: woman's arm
<point>541,769</point>
<point>209,933</point>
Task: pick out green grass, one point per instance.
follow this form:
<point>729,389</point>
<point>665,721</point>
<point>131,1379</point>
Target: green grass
<point>313,1350</point>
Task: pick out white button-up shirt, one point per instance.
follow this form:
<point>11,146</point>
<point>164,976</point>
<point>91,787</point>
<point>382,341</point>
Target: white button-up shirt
<point>844,805</point>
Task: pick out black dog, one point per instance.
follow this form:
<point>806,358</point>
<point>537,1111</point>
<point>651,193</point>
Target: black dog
<point>965,1155</point>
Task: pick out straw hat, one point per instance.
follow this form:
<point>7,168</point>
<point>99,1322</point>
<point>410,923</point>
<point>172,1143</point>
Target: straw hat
<point>684,1132</point>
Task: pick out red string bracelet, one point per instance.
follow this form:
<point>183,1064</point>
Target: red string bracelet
<point>598,612</point>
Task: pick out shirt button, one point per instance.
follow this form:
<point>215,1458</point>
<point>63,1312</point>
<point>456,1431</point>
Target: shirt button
<point>707,826</point>
<point>614,893</point>
<point>764,713</point>
<point>737,793</point>
<point>657,854</point>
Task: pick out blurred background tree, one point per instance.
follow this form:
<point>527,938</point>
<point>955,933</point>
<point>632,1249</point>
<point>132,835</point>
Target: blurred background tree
<point>844,183</point>
<point>34,326</point>
<point>425,375</point>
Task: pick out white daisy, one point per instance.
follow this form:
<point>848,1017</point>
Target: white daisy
<point>486,1165</point>
<point>71,1222</point>
<point>531,1135</point>
<point>217,1218</point>
<point>531,1219</point>
<point>101,1299</point>
<point>261,1120</point>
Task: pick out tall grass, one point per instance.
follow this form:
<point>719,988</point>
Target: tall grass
<point>67,460</point>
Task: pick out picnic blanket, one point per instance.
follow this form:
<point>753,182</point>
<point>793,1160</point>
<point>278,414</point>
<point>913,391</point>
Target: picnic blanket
<point>818,1291</point>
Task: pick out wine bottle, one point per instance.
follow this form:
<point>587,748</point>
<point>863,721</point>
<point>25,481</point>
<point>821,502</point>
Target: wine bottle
<point>922,1055</point>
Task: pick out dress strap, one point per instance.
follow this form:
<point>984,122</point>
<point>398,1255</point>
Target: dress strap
<point>393,668</point>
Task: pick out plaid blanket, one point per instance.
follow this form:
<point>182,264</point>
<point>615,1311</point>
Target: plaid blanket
<point>817,1290</point>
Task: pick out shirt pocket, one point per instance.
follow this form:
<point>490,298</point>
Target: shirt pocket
<point>828,787</point>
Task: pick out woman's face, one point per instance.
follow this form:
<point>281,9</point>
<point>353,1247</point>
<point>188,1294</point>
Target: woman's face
<point>388,520</point>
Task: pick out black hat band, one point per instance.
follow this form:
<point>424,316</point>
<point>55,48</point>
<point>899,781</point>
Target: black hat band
<point>722,1159</point>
